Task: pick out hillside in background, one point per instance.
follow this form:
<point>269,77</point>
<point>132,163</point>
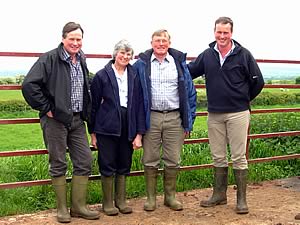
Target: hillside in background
<point>280,71</point>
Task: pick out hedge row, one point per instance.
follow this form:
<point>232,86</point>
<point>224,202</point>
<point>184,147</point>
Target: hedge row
<point>14,106</point>
<point>264,99</point>
<point>277,98</point>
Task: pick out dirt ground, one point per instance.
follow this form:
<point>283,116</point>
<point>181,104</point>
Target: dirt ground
<point>270,203</point>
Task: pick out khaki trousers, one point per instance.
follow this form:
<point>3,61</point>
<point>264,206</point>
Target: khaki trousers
<point>232,129</point>
<point>165,132</point>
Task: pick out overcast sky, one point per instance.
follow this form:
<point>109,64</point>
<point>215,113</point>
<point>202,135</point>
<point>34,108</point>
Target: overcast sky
<point>269,29</point>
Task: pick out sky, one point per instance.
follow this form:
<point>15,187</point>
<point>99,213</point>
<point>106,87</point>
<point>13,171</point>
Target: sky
<point>269,29</point>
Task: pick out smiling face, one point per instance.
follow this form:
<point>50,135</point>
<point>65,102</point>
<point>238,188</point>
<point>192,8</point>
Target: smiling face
<point>123,58</point>
<point>160,44</point>
<point>73,42</point>
<point>223,35</point>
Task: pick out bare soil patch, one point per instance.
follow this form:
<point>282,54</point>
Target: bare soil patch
<point>270,203</point>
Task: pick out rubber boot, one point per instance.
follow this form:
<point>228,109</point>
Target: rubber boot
<point>79,192</point>
<point>241,182</point>
<point>151,182</point>
<point>60,187</point>
<point>107,189</point>
<point>219,196</point>
<point>120,194</point>
<point>170,189</point>
<point>297,217</point>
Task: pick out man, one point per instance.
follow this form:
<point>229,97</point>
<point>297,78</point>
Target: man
<point>57,86</point>
<point>233,79</point>
<point>170,105</point>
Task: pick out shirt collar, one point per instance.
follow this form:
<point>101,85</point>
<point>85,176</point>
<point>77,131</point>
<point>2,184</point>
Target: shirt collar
<point>230,51</point>
<point>67,56</point>
<point>167,58</point>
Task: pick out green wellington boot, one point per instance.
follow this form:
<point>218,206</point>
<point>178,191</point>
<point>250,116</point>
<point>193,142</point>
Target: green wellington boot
<point>120,194</point>
<point>60,187</point>
<point>170,189</point>
<point>241,182</point>
<point>219,196</point>
<point>108,203</point>
<point>79,192</point>
<point>151,182</point>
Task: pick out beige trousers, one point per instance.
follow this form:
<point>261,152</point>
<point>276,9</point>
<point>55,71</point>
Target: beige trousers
<point>166,133</point>
<point>229,129</point>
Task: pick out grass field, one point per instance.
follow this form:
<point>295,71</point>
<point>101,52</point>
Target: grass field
<point>11,95</point>
<point>17,94</point>
<point>291,90</point>
<point>29,136</point>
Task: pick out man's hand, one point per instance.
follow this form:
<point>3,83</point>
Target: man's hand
<point>49,114</point>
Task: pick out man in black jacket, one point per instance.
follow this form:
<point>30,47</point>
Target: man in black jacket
<point>233,79</point>
<point>57,86</point>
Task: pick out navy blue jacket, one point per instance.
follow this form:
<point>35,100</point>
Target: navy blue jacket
<point>232,86</point>
<point>106,108</point>
<point>187,92</point>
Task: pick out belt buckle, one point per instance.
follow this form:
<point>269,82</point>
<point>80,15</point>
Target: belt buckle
<point>165,111</point>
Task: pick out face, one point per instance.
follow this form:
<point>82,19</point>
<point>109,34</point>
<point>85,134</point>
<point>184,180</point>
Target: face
<point>223,35</point>
<point>73,42</point>
<point>160,45</point>
<point>123,57</point>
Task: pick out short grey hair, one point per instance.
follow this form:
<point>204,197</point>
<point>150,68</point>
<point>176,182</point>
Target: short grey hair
<point>122,45</point>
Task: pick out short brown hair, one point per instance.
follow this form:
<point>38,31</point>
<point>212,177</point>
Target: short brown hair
<point>69,27</point>
<point>224,20</point>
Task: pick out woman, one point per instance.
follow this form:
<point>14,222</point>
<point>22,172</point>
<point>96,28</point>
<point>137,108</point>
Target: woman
<point>117,124</point>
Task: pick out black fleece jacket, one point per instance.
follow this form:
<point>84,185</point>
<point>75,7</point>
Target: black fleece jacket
<point>232,86</point>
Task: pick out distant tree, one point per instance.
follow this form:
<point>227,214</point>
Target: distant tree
<point>7,80</point>
<point>297,80</point>
<point>19,79</point>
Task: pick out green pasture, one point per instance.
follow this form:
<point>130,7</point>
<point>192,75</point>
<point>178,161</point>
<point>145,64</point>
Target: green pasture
<point>17,94</point>
<point>11,95</point>
<point>282,90</point>
<point>29,136</point>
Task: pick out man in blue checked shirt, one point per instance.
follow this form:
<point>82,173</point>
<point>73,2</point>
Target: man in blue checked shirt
<point>57,86</point>
<point>170,106</point>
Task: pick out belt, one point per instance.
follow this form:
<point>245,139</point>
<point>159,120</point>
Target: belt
<point>76,113</point>
<point>165,111</point>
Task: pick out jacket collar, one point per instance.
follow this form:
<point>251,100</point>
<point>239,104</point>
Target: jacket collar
<point>177,55</point>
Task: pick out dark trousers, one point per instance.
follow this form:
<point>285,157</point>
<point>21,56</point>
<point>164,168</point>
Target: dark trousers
<point>58,138</point>
<point>115,153</point>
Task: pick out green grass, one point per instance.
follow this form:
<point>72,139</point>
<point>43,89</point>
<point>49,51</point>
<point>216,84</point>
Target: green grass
<point>30,199</point>
<point>29,136</point>
<point>11,95</point>
<point>291,90</point>
<point>276,106</point>
<point>20,137</point>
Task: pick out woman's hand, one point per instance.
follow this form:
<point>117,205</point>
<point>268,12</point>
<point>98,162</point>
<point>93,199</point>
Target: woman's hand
<point>137,142</point>
<point>94,140</point>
